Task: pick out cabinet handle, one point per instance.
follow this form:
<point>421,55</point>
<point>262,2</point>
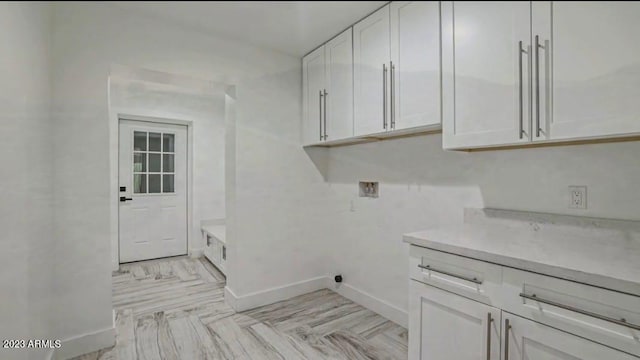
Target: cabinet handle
<point>521,90</point>
<point>473,280</point>
<point>622,322</point>
<point>489,321</point>
<point>320,114</point>
<point>537,52</point>
<point>384,96</point>
<point>507,327</point>
<point>325,114</point>
<point>393,95</point>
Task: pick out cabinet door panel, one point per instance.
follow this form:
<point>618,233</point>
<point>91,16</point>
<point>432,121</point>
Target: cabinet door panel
<point>370,54</point>
<point>482,101</point>
<point>529,340</point>
<point>595,68</point>
<point>313,76</point>
<point>445,326</point>
<point>415,53</point>
<point>339,98</point>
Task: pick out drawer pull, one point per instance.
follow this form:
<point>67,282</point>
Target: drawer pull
<point>473,280</point>
<point>622,322</point>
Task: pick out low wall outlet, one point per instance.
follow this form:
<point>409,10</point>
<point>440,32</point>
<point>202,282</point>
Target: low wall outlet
<point>368,189</point>
<point>577,197</point>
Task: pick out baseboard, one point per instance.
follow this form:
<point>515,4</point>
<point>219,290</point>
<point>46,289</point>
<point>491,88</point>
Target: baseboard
<point>196,253</point>
<point>83,344</point>
<point>270,296</point>
<point>372,303</point>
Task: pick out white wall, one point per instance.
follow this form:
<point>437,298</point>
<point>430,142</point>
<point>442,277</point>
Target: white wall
<point>423,186</point>
<point>25,145</point>
<point>276,189</point>
<point>202,104</point>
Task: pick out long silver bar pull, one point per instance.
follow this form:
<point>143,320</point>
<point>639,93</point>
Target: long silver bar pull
<point>622,322</point>
<point>521,91</point>
<point>325,114</point>
<point>473,280</point>
<point>393,95</point>
<point>320,114</point>
<point>489,322</point>
<point>507,328</point>
<point>537,52</point>
<point>384,96</point>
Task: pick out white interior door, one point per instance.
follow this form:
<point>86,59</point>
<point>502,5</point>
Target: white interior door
<point>446,326</point>
<point>153,190</point>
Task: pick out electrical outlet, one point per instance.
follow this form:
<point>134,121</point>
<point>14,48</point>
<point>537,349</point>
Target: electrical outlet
<point>368,189</point>
<point>577,197</point>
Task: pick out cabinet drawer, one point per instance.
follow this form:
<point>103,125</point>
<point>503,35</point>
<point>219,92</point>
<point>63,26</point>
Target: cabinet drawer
<point>471,278</point>
<point>601,315</point>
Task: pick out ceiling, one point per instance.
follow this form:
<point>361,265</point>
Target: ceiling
<point>292,27</point>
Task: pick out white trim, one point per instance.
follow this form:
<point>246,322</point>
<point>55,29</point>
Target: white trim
<point>196,253</point>
<point>273,295</point>
<point>379,306</point>
<point>270,296</point>
<point>84,344</point>
<point>115,115</point>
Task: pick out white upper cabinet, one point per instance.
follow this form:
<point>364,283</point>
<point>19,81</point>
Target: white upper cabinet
<point>415,64</point>
<point>339,86</point>
<point>313,80</point>
<point>485,73</point>
<point>371,53</point>
<point>589,69</point>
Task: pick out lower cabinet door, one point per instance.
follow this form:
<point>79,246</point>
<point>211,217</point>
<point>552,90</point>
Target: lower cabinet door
<point>528,340</point>
<point>446,326</point>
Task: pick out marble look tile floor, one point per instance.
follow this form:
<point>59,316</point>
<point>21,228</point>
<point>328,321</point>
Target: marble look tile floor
<point>174,309</point>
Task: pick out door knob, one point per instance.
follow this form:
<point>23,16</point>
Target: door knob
<point>124,198</point>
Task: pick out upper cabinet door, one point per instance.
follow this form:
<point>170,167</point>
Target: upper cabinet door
<point>415,64</point>
<point>313,80</point>
<point>339,78</point>
<point>371,56</point>
<point>486,73</point>
<point>589,69</point>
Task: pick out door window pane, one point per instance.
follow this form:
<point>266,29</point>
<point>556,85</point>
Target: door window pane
<point>139,162</point>
<point>154,162</point>
<point>167,162</point>
<point>168,142</point>
<point>154,183</point>
<point>139,183</point>
<point>139,141</point>
<point>154,142</point>
<point>167,183</point>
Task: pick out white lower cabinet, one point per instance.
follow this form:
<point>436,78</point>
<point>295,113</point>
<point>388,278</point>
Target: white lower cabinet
<point>445,326</point>
<point>528,340</point>
<point>508,314</point>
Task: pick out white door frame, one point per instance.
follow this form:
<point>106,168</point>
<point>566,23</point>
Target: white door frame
<point>113,192</point>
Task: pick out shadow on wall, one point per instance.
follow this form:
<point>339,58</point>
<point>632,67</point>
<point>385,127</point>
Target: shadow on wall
<point>534,179</point>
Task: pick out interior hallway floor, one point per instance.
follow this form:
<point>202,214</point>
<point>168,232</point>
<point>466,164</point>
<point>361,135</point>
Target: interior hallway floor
<point>174,309</point>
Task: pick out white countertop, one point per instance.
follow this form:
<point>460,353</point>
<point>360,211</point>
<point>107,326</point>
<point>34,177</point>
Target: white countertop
<point>604,257</point>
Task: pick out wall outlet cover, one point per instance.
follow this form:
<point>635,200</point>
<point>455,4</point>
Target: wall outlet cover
<point>577,197</point>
